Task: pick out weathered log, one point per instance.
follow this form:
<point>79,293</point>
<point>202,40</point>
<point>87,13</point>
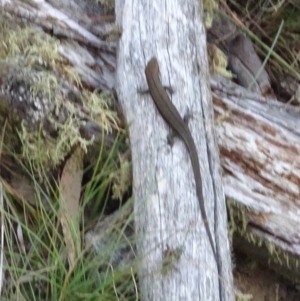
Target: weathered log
<point>167,214</point>
<point>259,142</point>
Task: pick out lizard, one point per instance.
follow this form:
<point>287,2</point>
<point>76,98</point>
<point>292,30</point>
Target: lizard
<point>171,115</point>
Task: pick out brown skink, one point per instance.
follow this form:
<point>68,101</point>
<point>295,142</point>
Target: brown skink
<point>170,114</point>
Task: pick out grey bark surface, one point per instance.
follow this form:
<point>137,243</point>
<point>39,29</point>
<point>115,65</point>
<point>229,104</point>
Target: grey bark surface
<point>167,214</point>
<point>259,142</point>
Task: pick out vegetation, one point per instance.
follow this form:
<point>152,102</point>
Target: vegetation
<point>38,264</point>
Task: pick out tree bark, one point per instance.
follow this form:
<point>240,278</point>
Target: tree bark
<point>259,142</point>
<point>167,214</point>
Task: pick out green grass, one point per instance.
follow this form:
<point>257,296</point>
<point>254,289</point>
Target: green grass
<point>38,268</point>
<point>274,28</point>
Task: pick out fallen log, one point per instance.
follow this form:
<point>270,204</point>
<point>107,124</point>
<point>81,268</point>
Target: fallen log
<point>259,143</point>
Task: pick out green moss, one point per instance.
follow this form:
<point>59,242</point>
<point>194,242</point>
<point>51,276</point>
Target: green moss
<point>47,76</point>
<point>238,223</point>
